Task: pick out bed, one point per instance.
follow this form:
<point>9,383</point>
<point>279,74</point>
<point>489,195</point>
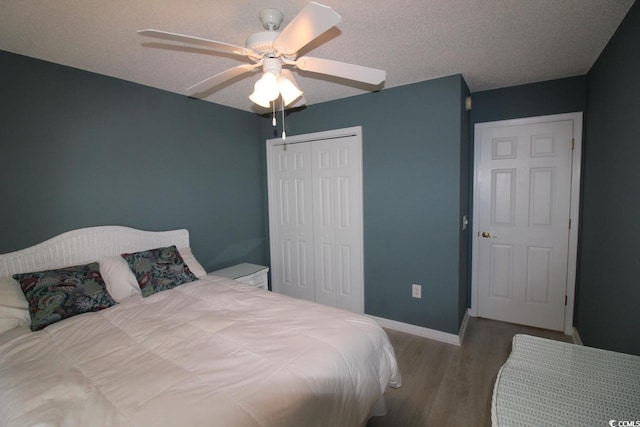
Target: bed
<point>209,352</point>
<point>546,382</point>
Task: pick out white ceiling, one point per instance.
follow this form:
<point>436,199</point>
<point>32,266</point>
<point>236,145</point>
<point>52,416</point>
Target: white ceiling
<point>492,43</point>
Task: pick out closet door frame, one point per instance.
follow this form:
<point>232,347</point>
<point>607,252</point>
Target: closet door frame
<point>272,188</point>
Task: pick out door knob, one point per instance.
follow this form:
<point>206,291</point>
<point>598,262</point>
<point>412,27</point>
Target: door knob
<point>487,235</point>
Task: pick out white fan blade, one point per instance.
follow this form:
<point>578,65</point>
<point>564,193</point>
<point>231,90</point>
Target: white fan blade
<point>220,78</point>
<point>358,73</point>
<point>219,46</point>
<point>312,21</point>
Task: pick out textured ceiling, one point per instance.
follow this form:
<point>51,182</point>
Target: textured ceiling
<point>492,43</point>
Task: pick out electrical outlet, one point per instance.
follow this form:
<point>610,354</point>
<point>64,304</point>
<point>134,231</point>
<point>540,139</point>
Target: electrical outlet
<point>416,291</point>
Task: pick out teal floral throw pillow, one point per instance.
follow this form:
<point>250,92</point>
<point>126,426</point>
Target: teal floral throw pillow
<point>159,269</point>
<point>57,294</point>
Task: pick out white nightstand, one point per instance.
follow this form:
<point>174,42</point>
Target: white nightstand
<point>249,274</point>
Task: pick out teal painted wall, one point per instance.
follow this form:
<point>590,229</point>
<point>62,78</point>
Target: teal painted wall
<point>609,273</point>
<point>414,143</point>
<point>558,96</point>
<point>80,149</point>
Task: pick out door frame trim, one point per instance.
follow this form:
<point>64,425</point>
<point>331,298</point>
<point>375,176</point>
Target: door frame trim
<point>355,131</point>
<point>574,213</point>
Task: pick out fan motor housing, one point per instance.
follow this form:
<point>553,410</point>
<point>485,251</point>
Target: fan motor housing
<point>262,41</point>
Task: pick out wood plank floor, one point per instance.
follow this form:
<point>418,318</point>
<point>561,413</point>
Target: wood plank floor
<point>447,385</point>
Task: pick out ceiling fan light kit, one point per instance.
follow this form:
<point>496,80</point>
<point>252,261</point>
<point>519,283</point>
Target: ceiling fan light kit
<point>274,50</point>
<point>275,82</point>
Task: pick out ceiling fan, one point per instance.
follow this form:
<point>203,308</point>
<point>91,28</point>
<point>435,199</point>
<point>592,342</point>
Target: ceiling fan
<point>276,52</point>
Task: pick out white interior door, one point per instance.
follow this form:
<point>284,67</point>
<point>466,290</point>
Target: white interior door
<point>523,212</point>
<point>315,217</point>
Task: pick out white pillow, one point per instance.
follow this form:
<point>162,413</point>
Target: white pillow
<point>14,309</point>
<point>196,268</point>
<point>119,279</point>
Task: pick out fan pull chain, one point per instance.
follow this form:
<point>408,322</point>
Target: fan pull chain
<point>284,134</point>
<point>273,114</point>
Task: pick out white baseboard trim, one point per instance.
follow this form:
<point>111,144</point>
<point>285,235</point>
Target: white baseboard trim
<point>576,337</point>
<point>423,332</point>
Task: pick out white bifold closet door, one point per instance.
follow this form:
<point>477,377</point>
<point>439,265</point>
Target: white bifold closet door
<point>315,217</point>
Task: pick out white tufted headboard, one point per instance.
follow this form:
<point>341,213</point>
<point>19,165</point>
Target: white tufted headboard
<point>85,245</point>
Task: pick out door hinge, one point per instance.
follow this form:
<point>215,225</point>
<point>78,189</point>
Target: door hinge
<point>565,300</point>
<point>569,223</point>
<point>573,143</point>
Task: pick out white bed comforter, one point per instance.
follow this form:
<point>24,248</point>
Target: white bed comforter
<point>208,353</point>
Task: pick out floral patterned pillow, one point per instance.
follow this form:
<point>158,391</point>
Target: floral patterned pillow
<point>57,294</point>
<point>159,269</point>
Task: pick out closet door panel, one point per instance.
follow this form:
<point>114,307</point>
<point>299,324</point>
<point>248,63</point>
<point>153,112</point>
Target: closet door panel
<point>337,207</point>
<point>290,171</point>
